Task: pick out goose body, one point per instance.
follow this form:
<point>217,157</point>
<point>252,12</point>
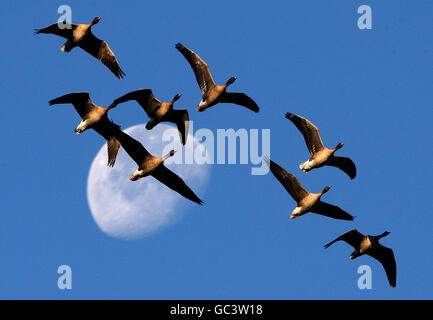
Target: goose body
<point>369,245</point>
<point>212,93</point>
<point>149,165</point>
<point>320,155</point>
<point>93,117</point>
<point>305,201</point>
<point>158,111</point>
<point>80,35</point>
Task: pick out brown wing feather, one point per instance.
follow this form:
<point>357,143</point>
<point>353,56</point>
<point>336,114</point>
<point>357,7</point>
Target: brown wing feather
<point>331,211</point>
<point>181,119</point>
<point>174,182</point>
<point>132,147</point>
<point>145,99</point>
<point>200,68</point>
<point>239,98</point>
<point>101,51</point>
<point>309,131</point>
<point>352,237</point>
<point>386,257</point>
<point>80,100</point>
<point>54,28</point>
<point>108,129</point>
<point>288,180</point>
<point>344,164</point>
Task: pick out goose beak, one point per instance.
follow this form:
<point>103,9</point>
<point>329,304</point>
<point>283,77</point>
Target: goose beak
<point>200,108</point>
<point>134,177</point>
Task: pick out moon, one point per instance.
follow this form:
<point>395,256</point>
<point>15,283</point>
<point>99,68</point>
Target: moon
<point>134,209</point>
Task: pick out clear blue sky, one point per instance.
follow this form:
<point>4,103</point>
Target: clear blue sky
<point>371,89</point>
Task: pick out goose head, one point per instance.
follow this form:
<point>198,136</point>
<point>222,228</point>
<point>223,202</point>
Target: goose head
<point>176,97</point>
<point>95,21</point>
<point>201,106</point>
<point>325,190</point>
<point>384,234</point>
<point>136,175</point>
<point>230,81</point>
<point>168,155</point>
<point>338,146</point>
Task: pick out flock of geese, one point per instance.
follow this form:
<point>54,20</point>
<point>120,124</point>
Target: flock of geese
<point>96,118</point>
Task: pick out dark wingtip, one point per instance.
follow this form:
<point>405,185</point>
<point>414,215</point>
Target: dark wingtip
<point>36,31</point>
<point>179,46</point>
<point>289,115</point>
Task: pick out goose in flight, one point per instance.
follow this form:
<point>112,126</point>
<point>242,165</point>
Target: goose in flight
<point>149,165</point>
<point>305,201</point>
<point>80,35</point>
<point>94,117</point>
<point>320,155</point>
<point>366,244</point>
<point>158,111</point>
<point>211,92</point>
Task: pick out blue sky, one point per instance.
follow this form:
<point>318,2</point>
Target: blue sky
<point>371,89</point>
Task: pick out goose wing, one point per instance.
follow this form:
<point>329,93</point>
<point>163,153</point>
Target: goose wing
<point>352,237</point>
<point>386,257</point>
<point>331,211</point>
<point>101,51</point>
<point>288,180</point>
<point>309,131</point>
<point>61,29</point>
<point>145,99</point>
<point>133,148</point>
<point>181,119</point>
<point>107,129</point>
<point>343,163</point>
<point>80,100</point>
<point>174,182</point>
<point>239,98</point>
<point>200,68</point>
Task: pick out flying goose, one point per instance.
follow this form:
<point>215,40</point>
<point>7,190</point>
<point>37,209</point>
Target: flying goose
<point>366,244</point>
<point>94,117</point>
<point>320,155</point>
<point>305,201</point>
<point>211,92</point>
<point>149,165</point>
<point>80,35</point>
<point>158,111</point>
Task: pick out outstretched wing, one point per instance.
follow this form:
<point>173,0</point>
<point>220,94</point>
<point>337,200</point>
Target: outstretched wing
<point>181,119</point>
<point>80,100</point>
<point>288,180</point>
<point>343,163</point>
<point>309,131</point>
<point>200,68</point>
<point>352,237</point>
<point>241,99</point>
<point>108,129</point>
<point>61,28</point>
<point>101,51</point>
<point>133,148</point>
<point>329,210</point>
<point>174,182</point>
<point>144,97</point>
<point>386,257</point>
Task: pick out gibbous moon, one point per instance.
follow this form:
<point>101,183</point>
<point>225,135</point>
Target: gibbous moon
<point>133,209</point>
